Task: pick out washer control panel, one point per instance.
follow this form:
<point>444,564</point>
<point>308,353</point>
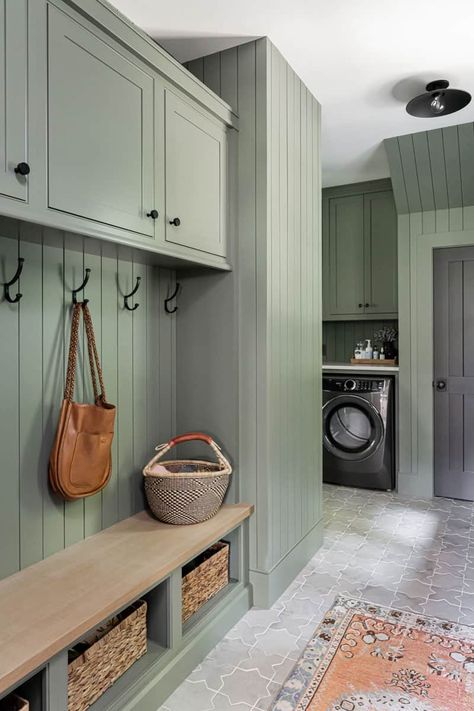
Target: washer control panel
<point>352,385</point>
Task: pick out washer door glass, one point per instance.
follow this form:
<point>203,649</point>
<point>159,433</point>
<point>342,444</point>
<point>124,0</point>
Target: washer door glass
<point>353,429</point>
<point>350,428</point>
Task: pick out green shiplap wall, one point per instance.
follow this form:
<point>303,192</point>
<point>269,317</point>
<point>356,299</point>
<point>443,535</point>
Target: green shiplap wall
<point>277,318</point>
<point>341,337</point>
<point>433,170</point>
<point>137,350</point>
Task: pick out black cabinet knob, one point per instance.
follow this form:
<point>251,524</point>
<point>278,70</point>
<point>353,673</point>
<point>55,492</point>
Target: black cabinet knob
<point>360,306</point>
<point>153,214</point>
<point>22,169</point>
<point>176,222</point>
<point>366,306</point>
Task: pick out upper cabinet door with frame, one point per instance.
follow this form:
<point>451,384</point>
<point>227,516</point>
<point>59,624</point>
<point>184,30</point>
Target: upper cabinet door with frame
<point>195,177</point>
<point>381,273</point>
<point>101,146</point>
<point>345,258</point>
<point>13,97</point>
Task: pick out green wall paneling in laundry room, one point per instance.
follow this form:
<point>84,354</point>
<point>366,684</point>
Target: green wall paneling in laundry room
<point>341,337</point>
<point>138,355</point>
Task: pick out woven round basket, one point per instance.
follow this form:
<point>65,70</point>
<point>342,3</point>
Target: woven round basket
<point>185,491</point>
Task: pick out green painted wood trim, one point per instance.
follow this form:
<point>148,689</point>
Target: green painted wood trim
<point>267,587</point>
<point>368,186</point>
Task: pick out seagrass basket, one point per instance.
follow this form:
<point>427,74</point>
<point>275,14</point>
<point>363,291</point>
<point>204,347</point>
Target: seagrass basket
<point>186,491</point>
<point>203,577</point>
<point>97,662</point>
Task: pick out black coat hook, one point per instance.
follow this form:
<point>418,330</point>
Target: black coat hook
<point>129,296</point>
<point>8,284</point>
<point>80,288</point>
<point>170,298</point>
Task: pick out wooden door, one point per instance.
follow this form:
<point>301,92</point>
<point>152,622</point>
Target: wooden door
<point>381,273</point>
<point>13,96</point>
<point>454,372</point>
<point>101,129</point>
<point>345,277</point>
<point>196,159</point>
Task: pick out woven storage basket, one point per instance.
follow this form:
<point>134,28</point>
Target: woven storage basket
<point>12,702</point>
<point>112,651</point>
<point>186,491</point>
<point>204,577</point>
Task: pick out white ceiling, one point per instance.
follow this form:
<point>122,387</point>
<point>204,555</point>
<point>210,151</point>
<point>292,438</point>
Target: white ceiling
<point>363,60</point>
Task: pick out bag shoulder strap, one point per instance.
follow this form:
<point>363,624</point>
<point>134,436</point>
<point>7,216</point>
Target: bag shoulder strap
<point>94,362</point>
<point>72,358</point>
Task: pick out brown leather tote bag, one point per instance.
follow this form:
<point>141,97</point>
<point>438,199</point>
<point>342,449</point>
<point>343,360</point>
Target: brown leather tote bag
<point>80,463</point>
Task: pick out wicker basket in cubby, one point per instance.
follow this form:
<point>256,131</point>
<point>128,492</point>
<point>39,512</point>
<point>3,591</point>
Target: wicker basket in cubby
<point>204,577</point>
<point>97,662</point>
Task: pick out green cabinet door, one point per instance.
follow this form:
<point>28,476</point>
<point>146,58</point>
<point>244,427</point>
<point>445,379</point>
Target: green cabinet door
<point>381,274</point>
<point>100,128</point>
<point>344,237</point>
<point>13,96</point>
<point>195,178</point>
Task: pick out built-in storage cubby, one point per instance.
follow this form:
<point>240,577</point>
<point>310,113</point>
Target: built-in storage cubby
<point>138,559</point>
<point>30,695</point>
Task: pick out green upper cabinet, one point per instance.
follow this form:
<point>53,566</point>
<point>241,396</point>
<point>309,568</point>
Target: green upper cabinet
<point>195,178</point>
<point>13,97</point>
<point>100,129</point>
<point>345,254</point>
<point>359,252</point>
<point>381,276</point>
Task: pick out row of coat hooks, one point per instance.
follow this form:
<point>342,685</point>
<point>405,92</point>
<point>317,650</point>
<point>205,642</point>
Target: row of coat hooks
<point>15,299</point>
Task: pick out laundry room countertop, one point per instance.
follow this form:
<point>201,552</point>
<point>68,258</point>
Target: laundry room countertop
<point>353,368</point>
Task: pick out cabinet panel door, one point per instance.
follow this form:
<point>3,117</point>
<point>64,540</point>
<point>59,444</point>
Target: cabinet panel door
<point>346,255</point>
<point>101,133</point>
<point>381,282</point>
<point>13,95</point>
<point>195,178</point>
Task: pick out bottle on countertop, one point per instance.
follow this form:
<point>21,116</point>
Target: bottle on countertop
<point>376,353</point>
<point>369,351</point>
<point>358,351</point>
<point>382,354</point>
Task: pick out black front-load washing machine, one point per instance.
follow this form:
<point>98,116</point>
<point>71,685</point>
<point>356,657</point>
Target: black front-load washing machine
<point>358,431</point>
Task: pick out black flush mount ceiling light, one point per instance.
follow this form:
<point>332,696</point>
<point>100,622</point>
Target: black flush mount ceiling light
<point>438,100</point>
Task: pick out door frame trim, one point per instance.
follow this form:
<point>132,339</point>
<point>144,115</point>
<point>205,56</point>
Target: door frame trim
<point>416,476</point>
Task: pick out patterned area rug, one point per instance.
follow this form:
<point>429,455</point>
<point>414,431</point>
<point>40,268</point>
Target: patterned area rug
<point>369,658</point>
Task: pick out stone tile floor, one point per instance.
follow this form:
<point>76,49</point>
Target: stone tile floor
<point>415,554</point>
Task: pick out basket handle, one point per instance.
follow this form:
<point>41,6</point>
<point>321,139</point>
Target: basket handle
<point>190,437</point>
<point>162,449</point>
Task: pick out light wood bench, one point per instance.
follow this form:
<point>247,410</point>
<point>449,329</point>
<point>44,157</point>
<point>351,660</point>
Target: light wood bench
<point>45,608</point>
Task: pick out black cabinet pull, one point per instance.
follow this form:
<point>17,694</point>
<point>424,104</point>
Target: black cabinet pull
<point>153,214</point>
<point>22,169</point>
<point>176,222</point>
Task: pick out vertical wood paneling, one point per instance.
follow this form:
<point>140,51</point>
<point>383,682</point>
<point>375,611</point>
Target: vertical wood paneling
<point>433,170</point>
<point>466,158</point>
<point>31,402</point>
<point>53,381</point>
<point>110,308</point>
<point>9,433</point>
<point>34,522</point>
<point>279,272</point>
<point>212,72</point>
